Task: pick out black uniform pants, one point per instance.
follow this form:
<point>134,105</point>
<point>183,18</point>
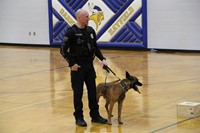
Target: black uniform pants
<point>86,74</point>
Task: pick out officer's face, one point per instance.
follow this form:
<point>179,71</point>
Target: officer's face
<point>85,18</point>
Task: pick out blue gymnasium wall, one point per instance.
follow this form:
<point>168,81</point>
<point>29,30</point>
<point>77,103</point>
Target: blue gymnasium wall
<point>118,23</point>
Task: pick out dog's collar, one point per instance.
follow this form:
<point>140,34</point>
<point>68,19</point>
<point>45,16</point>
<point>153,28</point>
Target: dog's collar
<point>124,86</point>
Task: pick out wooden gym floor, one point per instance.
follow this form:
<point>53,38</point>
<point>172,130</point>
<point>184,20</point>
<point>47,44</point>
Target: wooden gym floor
<point>36,95</point>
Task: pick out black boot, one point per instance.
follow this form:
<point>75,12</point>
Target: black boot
<point>81,122</point>
<point>100,120</point>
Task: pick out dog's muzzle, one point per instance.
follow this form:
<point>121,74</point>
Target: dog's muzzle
<point>134,86</point>
<point>139,84</point>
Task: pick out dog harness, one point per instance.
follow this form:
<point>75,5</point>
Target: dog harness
<point>124,86</point>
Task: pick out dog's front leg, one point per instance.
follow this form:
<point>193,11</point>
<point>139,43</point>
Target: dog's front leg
<point>120,103</point>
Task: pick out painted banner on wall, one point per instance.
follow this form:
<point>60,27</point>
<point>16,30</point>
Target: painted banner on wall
<point>118,23</point>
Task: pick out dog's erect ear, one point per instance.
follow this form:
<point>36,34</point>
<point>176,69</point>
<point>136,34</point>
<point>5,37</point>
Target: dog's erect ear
<point>127,75</point>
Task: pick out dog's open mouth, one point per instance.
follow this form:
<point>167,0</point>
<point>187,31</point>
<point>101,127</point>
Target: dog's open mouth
<point>136,88</point>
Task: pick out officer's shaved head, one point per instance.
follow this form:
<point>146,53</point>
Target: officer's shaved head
<point>82,17</point>
<point>80,12</point>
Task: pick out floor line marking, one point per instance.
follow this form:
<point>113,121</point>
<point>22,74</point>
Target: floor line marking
<point>30,105</point>
<point>168,126</point>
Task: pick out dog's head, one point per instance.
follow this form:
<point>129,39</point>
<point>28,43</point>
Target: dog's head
<point>134,82</point>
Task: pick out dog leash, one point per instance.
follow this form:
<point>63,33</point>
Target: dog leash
<point>110,70</point>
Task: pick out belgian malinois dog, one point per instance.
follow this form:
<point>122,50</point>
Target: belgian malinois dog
<point>115,92</point>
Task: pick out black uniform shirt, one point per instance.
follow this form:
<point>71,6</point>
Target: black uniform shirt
<point>75,45</point>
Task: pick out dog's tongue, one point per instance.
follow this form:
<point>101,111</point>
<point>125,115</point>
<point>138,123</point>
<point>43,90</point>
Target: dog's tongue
<point>138,91</point>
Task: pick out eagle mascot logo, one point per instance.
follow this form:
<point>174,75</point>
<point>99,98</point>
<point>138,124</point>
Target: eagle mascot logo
<point>97,14</point>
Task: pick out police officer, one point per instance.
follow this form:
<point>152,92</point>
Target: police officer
<point>79,49</point>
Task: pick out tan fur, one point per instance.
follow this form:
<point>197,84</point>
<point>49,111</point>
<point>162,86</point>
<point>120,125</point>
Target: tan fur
<point>115,92</point>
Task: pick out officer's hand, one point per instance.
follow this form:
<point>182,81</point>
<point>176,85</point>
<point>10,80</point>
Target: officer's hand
<point>75,67</point>
<point>104,62</point>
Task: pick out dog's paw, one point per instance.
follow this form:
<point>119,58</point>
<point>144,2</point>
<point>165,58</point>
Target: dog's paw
<point>111,115</point>
<point>109,123</point>
<point>120,122</point>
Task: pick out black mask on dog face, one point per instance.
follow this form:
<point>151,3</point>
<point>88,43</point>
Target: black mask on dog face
<point>133,82</point>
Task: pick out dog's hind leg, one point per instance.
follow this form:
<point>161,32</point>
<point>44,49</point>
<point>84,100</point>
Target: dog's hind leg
<point>98,97</point>
<point>110,113</point>
<point>120,103</point>
<point>106,106</point>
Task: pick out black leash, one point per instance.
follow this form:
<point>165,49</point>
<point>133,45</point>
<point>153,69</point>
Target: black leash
<point>109,70</point>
